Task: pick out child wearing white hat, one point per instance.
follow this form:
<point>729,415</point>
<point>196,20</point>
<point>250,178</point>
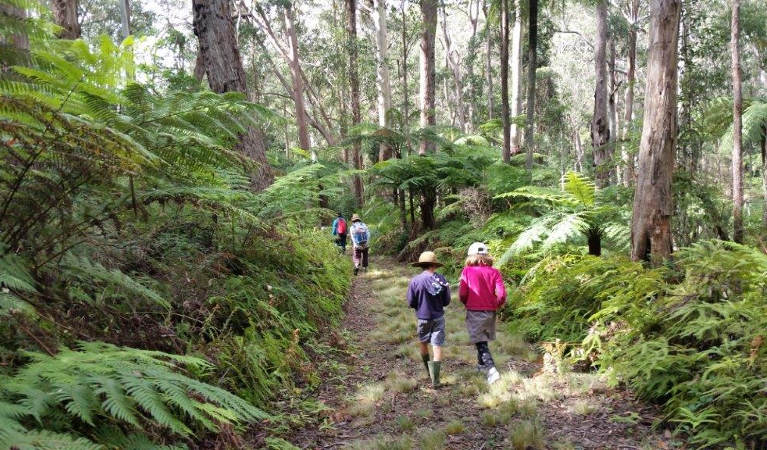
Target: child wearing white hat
<point>482,292</point>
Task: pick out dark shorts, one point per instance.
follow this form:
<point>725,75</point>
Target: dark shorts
<point>432,331</point>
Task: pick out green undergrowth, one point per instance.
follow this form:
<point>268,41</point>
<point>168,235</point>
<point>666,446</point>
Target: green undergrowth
<point>689,336</point>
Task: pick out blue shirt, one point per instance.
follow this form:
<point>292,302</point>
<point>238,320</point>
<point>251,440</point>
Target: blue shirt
<point>428,294</point>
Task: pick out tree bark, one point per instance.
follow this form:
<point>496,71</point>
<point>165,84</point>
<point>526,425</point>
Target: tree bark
<point>516,76</point>
<point>600,127</point>
<point>214,29</point>
<point>65,15</point>
<point>427,91</point>
<point>629,175</point>
<point>612,108</point>
<point>737,127</point>
<point>532,63</point>
<point>453,63</point>
<point>382,73</point>
<point>405,93</point>
<point>488,62</point>
<point>653,202</point>
<point>289,20</point>
<point>354,83</point>
<point>506,152</point>
<point>764,175</point>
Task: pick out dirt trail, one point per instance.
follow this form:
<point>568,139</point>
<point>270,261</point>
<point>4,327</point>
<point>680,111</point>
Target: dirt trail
<point>377,393</point>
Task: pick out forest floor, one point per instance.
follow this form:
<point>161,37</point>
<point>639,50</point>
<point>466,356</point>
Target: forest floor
<point>377,394</point>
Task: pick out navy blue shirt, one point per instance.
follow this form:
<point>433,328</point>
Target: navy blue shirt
<point>428,294</point>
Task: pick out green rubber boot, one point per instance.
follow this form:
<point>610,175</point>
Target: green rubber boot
<point>425,359</point>
<point>434,367</point>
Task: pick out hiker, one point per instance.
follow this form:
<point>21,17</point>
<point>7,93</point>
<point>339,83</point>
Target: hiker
<point>429,293</point>
<point>339,230</point>
<point>482,291</point>
<point>360,238</point>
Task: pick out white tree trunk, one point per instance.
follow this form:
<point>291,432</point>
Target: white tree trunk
<point>298,82</point>
<point>427,91</point>
<point>516,76</point>
<point>737,128</point>
<point>600,127</point>
<point>383,84</point>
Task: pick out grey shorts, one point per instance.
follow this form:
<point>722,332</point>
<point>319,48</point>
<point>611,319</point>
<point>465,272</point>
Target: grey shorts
<point>432,331</point>
<point>480,325</point>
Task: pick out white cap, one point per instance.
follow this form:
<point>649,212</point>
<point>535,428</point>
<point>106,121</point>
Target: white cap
<point>478,248</point>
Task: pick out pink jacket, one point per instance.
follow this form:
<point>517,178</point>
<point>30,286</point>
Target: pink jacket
<point>481,288</point>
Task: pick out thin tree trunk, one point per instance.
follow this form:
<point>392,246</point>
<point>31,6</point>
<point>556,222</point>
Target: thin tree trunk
<point>764,175</point>
<point>612,108</point>
<point>214,29</point>
<point>506,152</point>
<point>628,119</point>
<point>578,151</point>
<point>65,14</point>
<point>427,91</point>
<point>516,76</point>
<point>474,6</point>
<point>532,62</point>
<point>488,61</point>
<point>453,62</point>
<point>405,94</point>
<point>354,83</point>
<point>737,127</point>
<point>600,127</point>
<point>288,17</point>
<point>383,85</point>
<point>653,203</point>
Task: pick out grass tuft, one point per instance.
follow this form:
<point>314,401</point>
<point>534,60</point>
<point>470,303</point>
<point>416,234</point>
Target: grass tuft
<point>526,435</point>
<point>454,427</point>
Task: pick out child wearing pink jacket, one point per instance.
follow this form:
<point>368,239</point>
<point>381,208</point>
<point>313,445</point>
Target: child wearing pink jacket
<point>482,291</point>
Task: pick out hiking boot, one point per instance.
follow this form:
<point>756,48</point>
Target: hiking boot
<point>356,271</point>
<point>425,359</point>
<point>434,367</point>
<point>493,375</point>
<point>481,368</point>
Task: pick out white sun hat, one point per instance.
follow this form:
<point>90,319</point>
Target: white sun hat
<point>478,248</point>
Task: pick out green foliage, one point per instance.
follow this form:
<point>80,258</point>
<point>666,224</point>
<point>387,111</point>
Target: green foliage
<point>102,383</point>
<point>689,335</point>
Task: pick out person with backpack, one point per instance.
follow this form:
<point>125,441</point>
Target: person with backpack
<point>339,230</point>
<point>482,292</point>
<point>360,238</point>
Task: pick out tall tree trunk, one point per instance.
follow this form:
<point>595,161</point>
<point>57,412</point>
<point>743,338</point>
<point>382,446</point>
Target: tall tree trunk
<point>628,118</point>
<point>288,17</point>
<point>427,91</point>
<point>578,151</point>
<point>405,94</point>
<point>506,152</point>
<point>383,85</point>
<point>612,107</point>
<point>532,63</point>
<point>214,29</point>
<point>65,14</point>
<point>737,127</point>
<point>488,61</point>
<point>653,202</point>
<point>354,83</point>
<point>764,175</point>
<point>474,6</point>
<point>600,127</point>
<point>516,76</point>
<point>453,63</point>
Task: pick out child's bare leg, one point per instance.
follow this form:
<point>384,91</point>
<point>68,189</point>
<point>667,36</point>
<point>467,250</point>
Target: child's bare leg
<point>424,348</point>
<point>437,352</point>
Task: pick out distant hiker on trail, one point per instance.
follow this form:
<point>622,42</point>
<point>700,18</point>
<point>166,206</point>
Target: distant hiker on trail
<point>482,291</point>
<point>339,230</point>
<point>360,239</point>
<point>428,293</point>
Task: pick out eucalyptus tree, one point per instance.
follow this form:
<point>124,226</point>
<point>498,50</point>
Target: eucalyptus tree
<point>532,52</point>
<point>600,127</point>
<point>219,50</point>
<point>65,14</point>
<point>383,85</point>
<point>504,11</point>
<point>737,126</point>
<point>516,76</point>
<point>653,202</point>
<point>354,83</point>
<point>427,89</point>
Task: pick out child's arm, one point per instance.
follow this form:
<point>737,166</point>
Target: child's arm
<point>463,289</point>
<point>500,289</point>
<point>411,301</point>
<point>446,294</point>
